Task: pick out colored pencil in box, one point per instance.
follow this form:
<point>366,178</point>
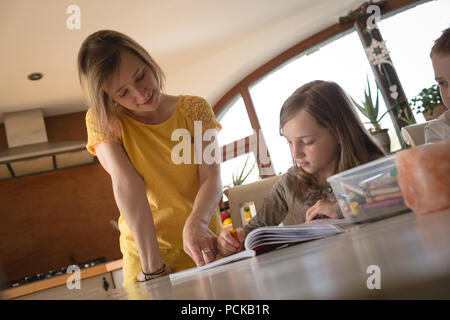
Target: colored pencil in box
<point>383,191</point>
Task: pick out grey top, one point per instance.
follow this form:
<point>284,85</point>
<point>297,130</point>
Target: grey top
<point>278,206</point>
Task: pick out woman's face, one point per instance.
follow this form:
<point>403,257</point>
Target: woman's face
<point>134,86</point>
<point>312,146</point>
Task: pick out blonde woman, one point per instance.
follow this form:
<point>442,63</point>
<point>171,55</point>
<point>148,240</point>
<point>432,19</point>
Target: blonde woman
<point>169,218</point>
<point>325,136</point>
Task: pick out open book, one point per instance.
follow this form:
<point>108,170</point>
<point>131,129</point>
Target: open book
<point>265,239</point>
<point>234,257</point>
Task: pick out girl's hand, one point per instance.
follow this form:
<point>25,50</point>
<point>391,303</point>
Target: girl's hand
<point>227,244</point>
<point>322,208</point>
<point>199,242</point>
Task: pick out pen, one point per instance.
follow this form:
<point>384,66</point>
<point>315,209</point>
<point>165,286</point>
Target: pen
<point>235,236</point>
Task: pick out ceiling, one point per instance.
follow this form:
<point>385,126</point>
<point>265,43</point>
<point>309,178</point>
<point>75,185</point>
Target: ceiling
<point>203,46</point>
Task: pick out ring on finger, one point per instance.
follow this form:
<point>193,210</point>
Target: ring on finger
<point>205,251</point>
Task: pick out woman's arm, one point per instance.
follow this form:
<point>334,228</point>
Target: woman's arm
<point>196,233</point>
<point>131,198</point>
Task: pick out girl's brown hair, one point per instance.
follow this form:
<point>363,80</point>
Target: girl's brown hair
<point>330,106</point>
<point>98,60</point>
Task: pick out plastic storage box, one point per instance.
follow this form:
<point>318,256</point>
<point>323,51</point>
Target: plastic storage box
<point>369,191</point>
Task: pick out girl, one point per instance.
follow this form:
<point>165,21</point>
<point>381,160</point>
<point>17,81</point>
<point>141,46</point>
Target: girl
<point>169,216</point>
<point>325,136</point>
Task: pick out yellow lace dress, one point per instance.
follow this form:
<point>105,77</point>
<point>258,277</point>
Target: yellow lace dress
<point>171,188</point>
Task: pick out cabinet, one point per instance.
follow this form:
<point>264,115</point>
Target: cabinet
<point>88,286</point>
<point>117,276</point>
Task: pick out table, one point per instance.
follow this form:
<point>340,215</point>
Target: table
<point>411,252</point>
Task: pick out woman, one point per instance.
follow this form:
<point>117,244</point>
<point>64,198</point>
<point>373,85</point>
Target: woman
<point>169,217</point>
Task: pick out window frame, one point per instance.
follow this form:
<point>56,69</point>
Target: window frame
<point>323,37</point>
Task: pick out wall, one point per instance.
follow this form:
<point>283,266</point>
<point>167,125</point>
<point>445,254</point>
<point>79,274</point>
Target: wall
<point>55,219</point>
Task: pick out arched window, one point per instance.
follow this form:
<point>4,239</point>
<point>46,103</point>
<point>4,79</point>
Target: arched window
<point>337,53</point>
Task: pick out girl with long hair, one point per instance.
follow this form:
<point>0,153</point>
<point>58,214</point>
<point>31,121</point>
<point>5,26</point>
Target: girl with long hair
<point>325,136</point>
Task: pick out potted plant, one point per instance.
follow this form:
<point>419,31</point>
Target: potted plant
<point>237,180</point>
<point>240,177</point>
<point>370,110</point>
<point>429,103</point>
<point>406,117</point>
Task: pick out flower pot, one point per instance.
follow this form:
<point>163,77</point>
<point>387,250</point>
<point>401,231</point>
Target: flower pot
<point>437,111</point>
<point>382,137</point>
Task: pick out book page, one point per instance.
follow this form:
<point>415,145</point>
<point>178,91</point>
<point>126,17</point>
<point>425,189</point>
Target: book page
<point>341,224</point>
<point>271,235</point>
<point>234,257</point>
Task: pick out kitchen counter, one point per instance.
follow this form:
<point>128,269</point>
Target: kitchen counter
<point>44,284</point>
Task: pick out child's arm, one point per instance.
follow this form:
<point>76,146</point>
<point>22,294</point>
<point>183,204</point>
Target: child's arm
<point>228,244</point>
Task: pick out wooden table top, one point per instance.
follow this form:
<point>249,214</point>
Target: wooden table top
<point>411,252</point>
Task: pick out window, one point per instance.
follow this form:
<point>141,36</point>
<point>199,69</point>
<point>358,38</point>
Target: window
<point>342,61</point>
<point>236,126</point>
<point>410,45</point>
<point>235,166</point>
<point>235,122</point>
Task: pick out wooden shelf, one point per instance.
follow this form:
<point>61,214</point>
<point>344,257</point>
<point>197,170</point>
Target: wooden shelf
<point>44,284</point>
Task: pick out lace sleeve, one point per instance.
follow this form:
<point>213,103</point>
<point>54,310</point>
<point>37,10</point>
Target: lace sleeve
<point>94,133</point>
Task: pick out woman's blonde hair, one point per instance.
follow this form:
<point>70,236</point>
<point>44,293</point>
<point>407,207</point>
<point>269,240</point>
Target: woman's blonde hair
<point>98,60</point>
<point>330,106</point>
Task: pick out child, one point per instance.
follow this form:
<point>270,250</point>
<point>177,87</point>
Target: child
<point>325,136</point>
<point>439,129</point>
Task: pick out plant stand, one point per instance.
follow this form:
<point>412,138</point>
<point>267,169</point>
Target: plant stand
<point>437,111</point>
<point>382,137</point>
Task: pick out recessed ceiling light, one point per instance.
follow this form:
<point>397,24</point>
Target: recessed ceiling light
<point>35,76</point>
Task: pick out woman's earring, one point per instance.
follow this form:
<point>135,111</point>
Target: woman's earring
<point>115,104</point>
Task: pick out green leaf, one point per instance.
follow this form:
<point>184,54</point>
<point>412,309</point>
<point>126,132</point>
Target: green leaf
<point>367,106</point>
<point>360,108</point>
<point>376,104</point>
<point>240,178</point>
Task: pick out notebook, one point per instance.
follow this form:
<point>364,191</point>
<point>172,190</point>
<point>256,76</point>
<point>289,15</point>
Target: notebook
<point>269,238</point>
<point>234,257</point>
<point>265,239</point>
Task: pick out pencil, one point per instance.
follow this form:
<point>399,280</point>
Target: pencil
<point>235,236</point>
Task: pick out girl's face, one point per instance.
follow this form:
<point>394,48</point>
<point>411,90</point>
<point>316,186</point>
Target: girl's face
<point>135,86</point>
<point>312,146</point>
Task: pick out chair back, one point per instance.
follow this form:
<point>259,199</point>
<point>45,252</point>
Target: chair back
<point>254,192</point>
<point>414,134</point>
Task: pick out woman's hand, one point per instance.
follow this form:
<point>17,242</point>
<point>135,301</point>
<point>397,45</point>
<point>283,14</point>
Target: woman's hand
<point>321,209</point>
<point>141,276</point>
<point>227,244</point>
<point>199,242</point>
